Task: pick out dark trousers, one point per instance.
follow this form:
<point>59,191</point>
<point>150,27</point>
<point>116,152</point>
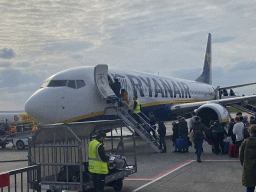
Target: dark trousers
<point>137,117</point>
<point>239,143</point>
<point>162,142</point>
<point>98,182</point>
<point>199,146</point>
<point>218,141</point>
<point>250,189</point>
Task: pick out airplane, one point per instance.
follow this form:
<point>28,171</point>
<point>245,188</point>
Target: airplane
<point>81,94</point>
<point>13,118</point>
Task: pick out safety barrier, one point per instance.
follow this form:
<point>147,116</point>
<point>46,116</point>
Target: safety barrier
<point>21,180</point>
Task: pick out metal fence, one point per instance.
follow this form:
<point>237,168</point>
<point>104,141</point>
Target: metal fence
<point>21,180</point>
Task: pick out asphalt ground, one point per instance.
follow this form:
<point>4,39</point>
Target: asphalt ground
<point>176,172</point>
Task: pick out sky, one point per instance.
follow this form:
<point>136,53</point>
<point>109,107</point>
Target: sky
<point>39,38</point>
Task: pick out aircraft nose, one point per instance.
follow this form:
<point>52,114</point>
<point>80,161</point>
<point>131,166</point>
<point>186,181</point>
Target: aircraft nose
<point>39,107</point>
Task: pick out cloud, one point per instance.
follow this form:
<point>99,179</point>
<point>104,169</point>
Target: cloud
<point>16,80</point>
<point>5,64</point>
<point>66,47</point>
<point>244,67</point>
<point>23,64</point>
<point>7,53</point>
<point>223,39</point>
<point>10,106</point>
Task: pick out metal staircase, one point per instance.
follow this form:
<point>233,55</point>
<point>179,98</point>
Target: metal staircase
<point>246,108</point>
<point>142,128</point>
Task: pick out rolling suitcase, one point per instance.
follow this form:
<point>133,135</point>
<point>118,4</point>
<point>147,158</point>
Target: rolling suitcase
<point>233,150</point>
<point>179,144</point>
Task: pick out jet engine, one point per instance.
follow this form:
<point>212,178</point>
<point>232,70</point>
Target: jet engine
<point>212,111</point>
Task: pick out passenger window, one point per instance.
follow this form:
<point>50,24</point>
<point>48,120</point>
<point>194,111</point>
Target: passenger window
<point>72,84</point>
<point>80,83</point>
<point>57,83</point>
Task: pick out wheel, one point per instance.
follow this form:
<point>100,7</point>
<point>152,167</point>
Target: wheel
<point>20,145</point>
<point>118,184</point>
<point>3,146</point>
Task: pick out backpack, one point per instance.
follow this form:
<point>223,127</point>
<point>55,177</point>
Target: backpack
<point>245,132</point>
<point>217,129</point>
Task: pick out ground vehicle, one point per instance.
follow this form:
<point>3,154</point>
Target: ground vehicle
<point>3,141</point>
<point>62,149</point>
<point>19,139</point>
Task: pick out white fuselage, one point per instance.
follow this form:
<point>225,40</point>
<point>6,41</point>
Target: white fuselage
<point>52,104</point>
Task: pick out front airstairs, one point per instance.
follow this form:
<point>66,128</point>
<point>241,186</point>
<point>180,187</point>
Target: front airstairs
<point>142,128</point>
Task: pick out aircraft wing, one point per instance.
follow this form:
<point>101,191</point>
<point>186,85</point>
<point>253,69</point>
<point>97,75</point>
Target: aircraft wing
<point>188,107</point>
<point>235,86</point>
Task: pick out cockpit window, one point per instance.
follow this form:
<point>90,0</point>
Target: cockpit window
<point>72,84</point>
<point>57,83</point>
<point>80,83</point>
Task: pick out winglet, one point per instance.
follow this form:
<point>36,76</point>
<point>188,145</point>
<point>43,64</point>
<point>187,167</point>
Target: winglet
<point>206,76</point>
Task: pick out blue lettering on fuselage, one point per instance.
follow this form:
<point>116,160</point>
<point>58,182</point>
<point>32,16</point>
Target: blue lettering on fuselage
<point>148,84</point>
<point>164,87</point>
<point>167,87</point>
<point>136,86</point>
<point>158,88</point>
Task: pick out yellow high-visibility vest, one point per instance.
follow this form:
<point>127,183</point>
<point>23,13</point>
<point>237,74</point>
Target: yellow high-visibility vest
<point>137,109</point>
<point>96,165</point>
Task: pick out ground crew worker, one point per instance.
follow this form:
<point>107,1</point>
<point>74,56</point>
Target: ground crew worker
<point>136,108</point>
<point>98,162</point>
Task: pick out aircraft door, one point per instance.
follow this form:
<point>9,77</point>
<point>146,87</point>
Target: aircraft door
<point>101,81</point>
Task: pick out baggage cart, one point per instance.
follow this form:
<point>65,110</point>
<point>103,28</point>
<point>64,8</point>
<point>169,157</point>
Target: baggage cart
<point>62,152</point>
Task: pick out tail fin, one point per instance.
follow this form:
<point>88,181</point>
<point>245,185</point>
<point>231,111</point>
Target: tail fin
<point>206,76</point>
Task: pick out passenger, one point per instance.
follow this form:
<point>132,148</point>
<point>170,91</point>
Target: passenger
<point>230,130</point>
<point>209,133</point>
<point>98,162</point>
<point>251,119</point>
<point>254,120</point>
<point>218,133</point>
<point>238,131</point>
<point>192,121</point>
<point>239,114</point>
<point>175,135</point>
<point>247,158</point>
<point>137,109</point>
<point>116,87</point>
<point>245,121</point>
<point>183,133</point>
<point>220,94</point>
<point>152,122</point>
<point>199,130</point>
<point>225,93</point>
<point>124,100</point>
<point>232,93</point>
<point>2,131</point>
<point>162,133</point>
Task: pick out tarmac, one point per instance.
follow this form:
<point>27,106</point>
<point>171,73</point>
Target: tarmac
<point>175,172</point>
<point>180,172</point>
